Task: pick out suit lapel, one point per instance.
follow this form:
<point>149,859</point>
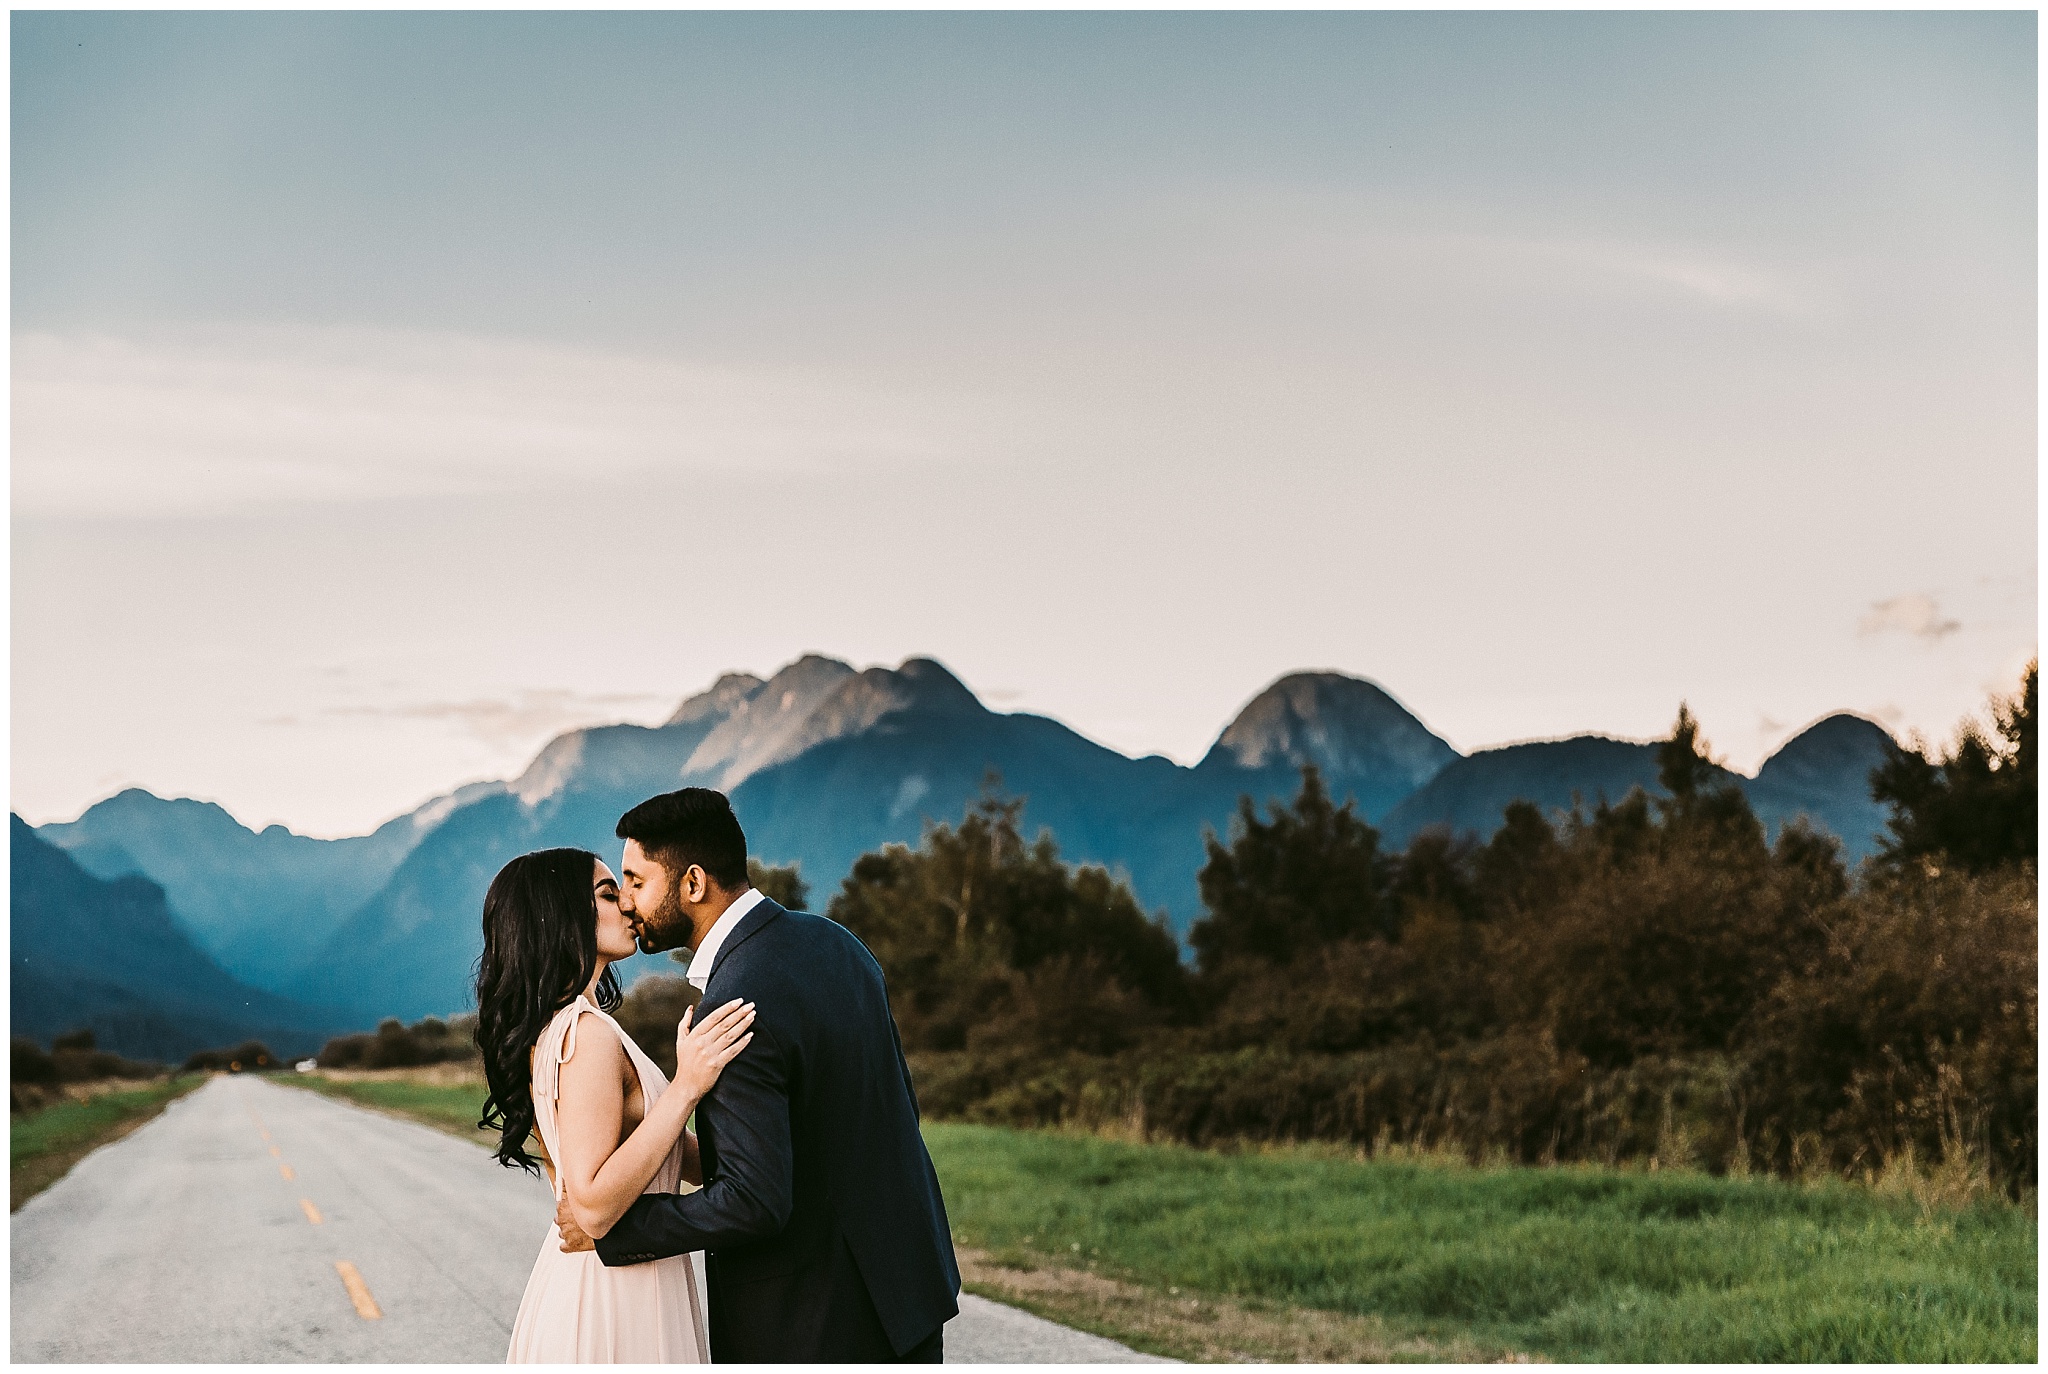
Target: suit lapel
<point>750,925</point>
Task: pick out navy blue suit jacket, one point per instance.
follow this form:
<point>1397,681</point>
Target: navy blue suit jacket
<point>816,1180</point>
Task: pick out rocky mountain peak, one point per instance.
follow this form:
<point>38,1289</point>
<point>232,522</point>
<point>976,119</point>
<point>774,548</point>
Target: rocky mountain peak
<point>553,768</point>
<point>920,684</point>
<point>828,703</point>
<point>720,700</point>
<point>760,728</point>
<point>1348,727</point>
<point>721,737</point>
<point>930,685</point>
<point>633,756</point>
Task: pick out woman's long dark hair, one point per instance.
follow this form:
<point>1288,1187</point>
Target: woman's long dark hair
<point>540,948</point>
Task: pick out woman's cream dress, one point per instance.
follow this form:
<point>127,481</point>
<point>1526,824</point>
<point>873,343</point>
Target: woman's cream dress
<point>577,1311</point>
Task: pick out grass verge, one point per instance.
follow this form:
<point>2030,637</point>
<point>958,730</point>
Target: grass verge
<point>1421,1259</point>
<point>1187,1326</point>
<point>42,1146</point>
<point>1310,1254</point>
<point>447,1101</point>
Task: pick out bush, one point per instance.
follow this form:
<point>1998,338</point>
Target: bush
<point>251,1056</point>
<point>73,1058</point>
<point>985,937</point>
<point>79,1059</point>
<point>1913,1030</point>
<point>31,1064</point>
<point>396,1046</point>
<point>33,1082</point>
<point>1514,1098</point>
<point>783,885</point>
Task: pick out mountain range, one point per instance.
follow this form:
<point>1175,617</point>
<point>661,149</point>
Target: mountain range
<point>824,763</point>
<point>106,955</point>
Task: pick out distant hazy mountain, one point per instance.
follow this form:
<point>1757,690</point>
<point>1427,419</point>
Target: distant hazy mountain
<point>824,763</point>
<point>260,904</point>
<point>1470,794</point>
<point>1822,773</point>
<point>105,954</point>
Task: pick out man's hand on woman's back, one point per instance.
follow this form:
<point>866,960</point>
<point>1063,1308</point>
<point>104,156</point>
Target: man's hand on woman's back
<point>573,1238</point>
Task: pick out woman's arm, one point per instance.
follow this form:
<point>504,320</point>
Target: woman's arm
<point>601,1175</point>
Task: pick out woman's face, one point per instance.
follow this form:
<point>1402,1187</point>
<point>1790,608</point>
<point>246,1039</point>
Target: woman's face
<point>614,935</point>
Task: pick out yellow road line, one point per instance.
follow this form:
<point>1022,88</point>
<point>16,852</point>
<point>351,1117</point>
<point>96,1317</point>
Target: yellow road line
<point>264,1134</point>
<point>276,1153</point>
<point>286,1171</point>
<point>312,1212</point>
<point>358,1291</point>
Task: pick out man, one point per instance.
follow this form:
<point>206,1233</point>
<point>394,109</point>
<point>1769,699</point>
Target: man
<point>820,1210</point>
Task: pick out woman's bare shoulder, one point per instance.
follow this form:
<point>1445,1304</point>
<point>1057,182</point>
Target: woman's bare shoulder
<point>596,1051</point>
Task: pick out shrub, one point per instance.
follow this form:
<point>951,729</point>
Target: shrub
<point>251,1056</point>
<point>31,1064</point>
<point>1913,1030</point>
<point>986,937</point>
<point>784,884</point>
<point>396,1046</point>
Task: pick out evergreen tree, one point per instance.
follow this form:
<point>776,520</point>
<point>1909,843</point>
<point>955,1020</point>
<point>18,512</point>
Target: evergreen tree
<point>1977,809</point>
<point>1309,875</point>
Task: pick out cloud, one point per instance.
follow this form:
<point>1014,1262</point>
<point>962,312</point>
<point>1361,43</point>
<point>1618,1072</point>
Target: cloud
<point>1916,614</point>
<point>1324,239</point>
<point>197,421</point>
<point>511,720</point>
<point>1708,281</point>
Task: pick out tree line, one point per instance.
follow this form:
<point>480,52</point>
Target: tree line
<point>1653,980</point>
<point>1649,980</point>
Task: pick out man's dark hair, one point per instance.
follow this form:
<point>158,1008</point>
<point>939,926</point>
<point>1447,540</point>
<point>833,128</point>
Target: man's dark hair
<point>693,826</point>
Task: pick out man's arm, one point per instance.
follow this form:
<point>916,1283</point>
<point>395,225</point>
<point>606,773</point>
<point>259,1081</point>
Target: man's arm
<point>750,1195</point>
<point>896,1038</point>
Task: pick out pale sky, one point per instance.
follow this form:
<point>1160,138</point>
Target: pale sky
<point>392,392</point>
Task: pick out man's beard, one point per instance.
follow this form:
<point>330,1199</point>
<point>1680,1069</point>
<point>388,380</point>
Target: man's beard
<point>665,927</point>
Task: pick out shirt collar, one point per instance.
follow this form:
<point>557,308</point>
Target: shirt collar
<point>707,953</point>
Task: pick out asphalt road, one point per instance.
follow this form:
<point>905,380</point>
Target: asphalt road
<point>258,1223</point>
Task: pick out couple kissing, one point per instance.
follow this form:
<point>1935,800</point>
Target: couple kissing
<point>815,1231</point>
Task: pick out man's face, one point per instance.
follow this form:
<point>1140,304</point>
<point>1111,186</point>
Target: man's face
<point>650,899</point>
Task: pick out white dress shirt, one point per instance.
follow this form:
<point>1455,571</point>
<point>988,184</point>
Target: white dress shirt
<point>707,953</point>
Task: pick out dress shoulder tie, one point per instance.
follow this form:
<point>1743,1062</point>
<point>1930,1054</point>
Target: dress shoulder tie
<point>557,1047</point>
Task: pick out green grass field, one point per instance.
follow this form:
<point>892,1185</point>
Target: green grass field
<point>451,1107</point>
<point>1575,1263</point>
<point>42,1146</point>
<point>1572,1263</point>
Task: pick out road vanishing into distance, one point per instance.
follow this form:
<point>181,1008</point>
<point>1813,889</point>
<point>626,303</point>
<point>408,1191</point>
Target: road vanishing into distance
<point>257,1223</point>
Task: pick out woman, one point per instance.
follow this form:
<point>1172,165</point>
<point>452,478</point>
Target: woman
<point>611,1126</point>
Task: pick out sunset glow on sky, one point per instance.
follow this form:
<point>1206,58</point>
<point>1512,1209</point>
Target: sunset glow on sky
<point>393,391</point>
